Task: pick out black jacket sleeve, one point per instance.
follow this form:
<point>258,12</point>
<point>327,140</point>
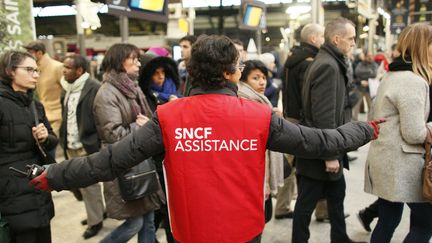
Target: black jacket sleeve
<point>110,162</point>
<point>306,142</point>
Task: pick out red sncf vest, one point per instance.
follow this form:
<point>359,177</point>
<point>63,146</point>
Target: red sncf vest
<point>215,167</point>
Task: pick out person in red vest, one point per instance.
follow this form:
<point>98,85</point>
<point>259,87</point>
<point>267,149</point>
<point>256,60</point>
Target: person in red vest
<point>214,144</point>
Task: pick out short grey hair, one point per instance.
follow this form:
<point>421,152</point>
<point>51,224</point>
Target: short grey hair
<point>336,27</point>
<point>310,30</point>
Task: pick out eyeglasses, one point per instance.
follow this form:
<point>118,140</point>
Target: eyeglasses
<point>135,60</point>
<point>241,67</point>
<point>30,70</point>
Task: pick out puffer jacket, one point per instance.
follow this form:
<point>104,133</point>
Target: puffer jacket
<point>23,207</point>
<point>114,120</point>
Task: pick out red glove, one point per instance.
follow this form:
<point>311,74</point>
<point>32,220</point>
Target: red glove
<point>41,182</point>
<point>375,125</point>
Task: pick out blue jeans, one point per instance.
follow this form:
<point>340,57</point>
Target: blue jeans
<point>389,217</point>
<point>143,225</point>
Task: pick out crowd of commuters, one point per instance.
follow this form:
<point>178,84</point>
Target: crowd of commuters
<point>220,145</point>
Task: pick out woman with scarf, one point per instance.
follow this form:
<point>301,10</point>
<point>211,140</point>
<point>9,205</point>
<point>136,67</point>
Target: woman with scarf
<point>395,160</point>
<point>252,86</point>
<point>27,210</point>
<point>120,107</point>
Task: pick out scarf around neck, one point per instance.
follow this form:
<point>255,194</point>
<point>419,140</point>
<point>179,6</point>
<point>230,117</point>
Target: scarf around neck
<point>76,86</point>
<point>165,91</point>
<point>399,64</point>
<point>247,92</point>
<point>131,91</point>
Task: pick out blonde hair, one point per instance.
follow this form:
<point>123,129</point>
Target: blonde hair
<point>411,45</point>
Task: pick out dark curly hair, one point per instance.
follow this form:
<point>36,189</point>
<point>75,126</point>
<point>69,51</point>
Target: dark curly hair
<point>211,56</point>
<point>253,65</point>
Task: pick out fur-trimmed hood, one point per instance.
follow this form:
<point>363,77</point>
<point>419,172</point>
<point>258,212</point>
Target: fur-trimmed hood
<point>149,63</point>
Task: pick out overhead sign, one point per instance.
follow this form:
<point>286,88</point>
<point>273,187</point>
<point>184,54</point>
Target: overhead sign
<point>399,15</point>
<point>16,24</point>
<point>252,15</point>
<point>422,11</point>
<point>152,10</point>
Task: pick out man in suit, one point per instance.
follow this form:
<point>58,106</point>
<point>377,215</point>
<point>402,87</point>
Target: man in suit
<point>78,134</point>
<point>324,96</point>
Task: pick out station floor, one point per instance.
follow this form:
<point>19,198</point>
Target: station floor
<point>66,227</point>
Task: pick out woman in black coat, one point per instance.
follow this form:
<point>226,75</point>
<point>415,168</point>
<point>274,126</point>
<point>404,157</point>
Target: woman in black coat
<point>27,210</point>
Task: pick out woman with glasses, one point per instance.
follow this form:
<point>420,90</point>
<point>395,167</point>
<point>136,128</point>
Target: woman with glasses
<point>27,210</point>
<point>120,107</point>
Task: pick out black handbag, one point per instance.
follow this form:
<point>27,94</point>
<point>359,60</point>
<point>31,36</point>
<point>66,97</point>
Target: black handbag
<point>43,154</point>
<point>4,231</point>
<point>139,181</point>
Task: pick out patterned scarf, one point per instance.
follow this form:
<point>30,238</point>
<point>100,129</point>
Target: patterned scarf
<point>131,91</point>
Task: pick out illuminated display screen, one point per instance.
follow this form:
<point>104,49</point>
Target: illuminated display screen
<point>148,5</point>
<point>252,15</point>
<point>153,10</point>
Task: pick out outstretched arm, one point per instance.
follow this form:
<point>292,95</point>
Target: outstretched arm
<point>286,137</point>
<point>110,161</point>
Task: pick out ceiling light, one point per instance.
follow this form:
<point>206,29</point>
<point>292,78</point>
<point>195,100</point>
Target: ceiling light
<point>298,9</point>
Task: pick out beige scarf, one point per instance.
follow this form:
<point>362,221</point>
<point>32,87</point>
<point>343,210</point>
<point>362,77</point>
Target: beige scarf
<point>274,160</point>
<point>76,86</point>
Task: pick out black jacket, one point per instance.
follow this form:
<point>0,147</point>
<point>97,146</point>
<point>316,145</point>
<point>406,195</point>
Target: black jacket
<point>85,120</point>
<point>283,137</point>
<point>295,68</point>
<point>23,207</point>
<point>324,98</point>
<point>364,71</point>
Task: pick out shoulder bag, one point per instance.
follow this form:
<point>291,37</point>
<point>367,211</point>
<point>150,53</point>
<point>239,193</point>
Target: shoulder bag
<point>139,181</point>
<point>427,172</point>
